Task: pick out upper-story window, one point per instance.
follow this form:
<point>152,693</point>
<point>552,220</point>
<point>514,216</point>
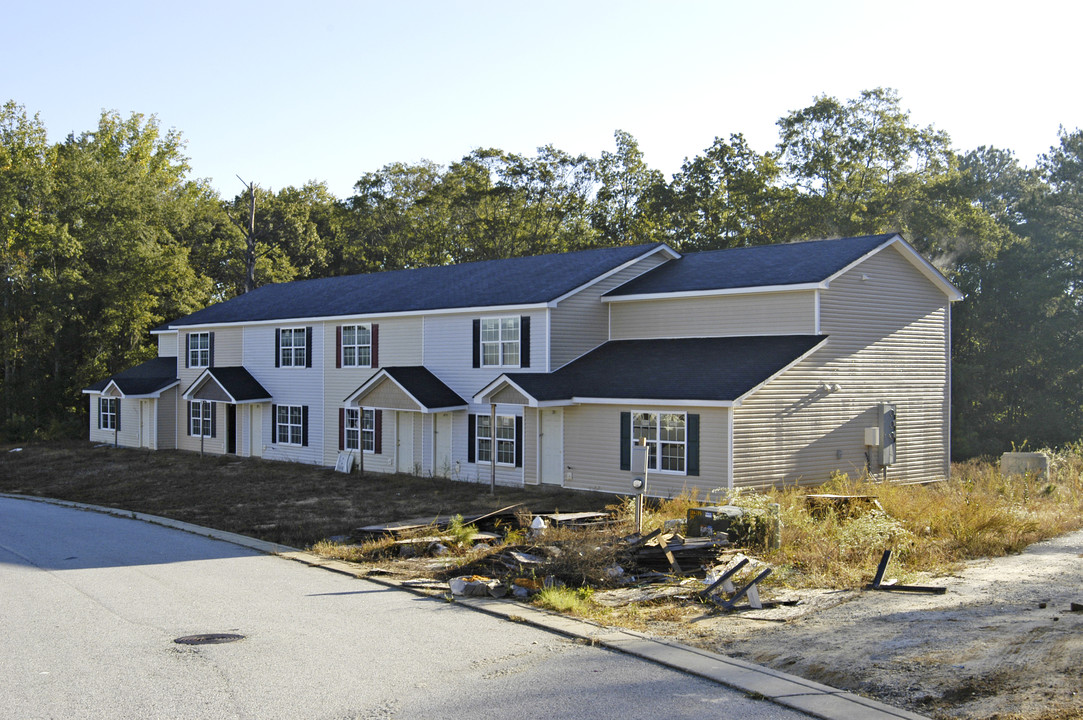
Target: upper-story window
<point>502,342</point>
<point>356,346</point>
<point>199,349</point>
<point>293,347</point>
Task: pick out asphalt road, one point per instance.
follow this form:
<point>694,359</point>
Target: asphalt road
<point>90,606</point>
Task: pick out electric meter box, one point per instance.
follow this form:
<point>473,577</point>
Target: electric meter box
<point>887,433</point>
<point>709,521</point>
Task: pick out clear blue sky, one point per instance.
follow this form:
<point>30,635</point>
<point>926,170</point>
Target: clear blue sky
<point>284,92</point>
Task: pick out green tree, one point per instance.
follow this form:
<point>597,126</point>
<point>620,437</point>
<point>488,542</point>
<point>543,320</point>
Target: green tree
<point>629,204</point>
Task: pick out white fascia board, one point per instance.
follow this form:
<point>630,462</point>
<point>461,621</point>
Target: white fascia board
<point>915,258</point>
<point>496,384</point>
<point>655,401</point>
<point>752,290</point>
<point>661,248</point>
<point>383,374</point>
<point>200,381</point>
<point>796,360</point>
<point>491,310</point>
<point>167,331</point>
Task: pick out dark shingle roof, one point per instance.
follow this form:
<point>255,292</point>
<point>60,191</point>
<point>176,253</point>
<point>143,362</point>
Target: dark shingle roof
<point>758,266</point>
<point>513,281</point>
<point>143,379</point>
<point>428,389</point>
<point>681,369</point>
<point>239,383</point>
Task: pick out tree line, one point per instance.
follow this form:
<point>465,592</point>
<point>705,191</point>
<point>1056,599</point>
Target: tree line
<point>106,235</point>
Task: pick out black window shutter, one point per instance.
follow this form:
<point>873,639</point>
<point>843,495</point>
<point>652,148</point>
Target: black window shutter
<point>117,408</point>
<point>212,408</point>
<point>518,441</point>
<point>626,441</point>
<point>274,419</point>
<point>692,437</point>
<point>189,425</point>
<point>187,348</point>
<point>477,344</point>
<point>338,346</point>
<point>472,435</point>
<point>524,341</point>
<point>210,361</point>
<point>374,338</point>
<point>378,431</point>
<point>308,348</point>
<point>304,426</point>
<point>278,345</point>
<point>100,412</point>
<point>342,428</point>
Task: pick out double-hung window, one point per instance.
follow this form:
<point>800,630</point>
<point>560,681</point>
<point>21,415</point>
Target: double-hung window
<point>505,439</point>
<point>500,342</point>
<point>290,424</point>
<point>199,349</point>
<point>201,418</point>
<point>360,430</point>
<point>292,343</point>
<point>356,346</point>
<point>108,409</point>
<point>666,439</point>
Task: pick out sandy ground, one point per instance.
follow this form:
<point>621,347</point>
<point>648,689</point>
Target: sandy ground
<point>1002,642</point>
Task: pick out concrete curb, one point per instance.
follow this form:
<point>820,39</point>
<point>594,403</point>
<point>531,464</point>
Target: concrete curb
<point>790,691</point>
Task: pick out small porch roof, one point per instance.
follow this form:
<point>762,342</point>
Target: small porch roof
<point>146,380</point>
<point>234,385</point>
<point>685,371</point>
<point>412,388</point>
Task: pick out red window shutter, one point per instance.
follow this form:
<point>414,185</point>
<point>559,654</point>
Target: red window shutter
<point>338,347</point>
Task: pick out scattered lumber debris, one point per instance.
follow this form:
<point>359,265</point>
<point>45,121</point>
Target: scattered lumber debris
<point>578,520</point>
<point>878,582</point>
<point>673,553</point>
<point>1076,607</point>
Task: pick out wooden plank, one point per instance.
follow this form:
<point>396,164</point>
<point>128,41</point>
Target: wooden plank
<point>741,593</point>
<point>669,555</point>
<point>726,576</point>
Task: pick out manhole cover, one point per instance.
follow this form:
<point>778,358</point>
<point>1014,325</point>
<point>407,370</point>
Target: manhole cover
<point>208,639</point>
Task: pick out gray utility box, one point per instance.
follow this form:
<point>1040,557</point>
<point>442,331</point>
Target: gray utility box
<point>708,521</point>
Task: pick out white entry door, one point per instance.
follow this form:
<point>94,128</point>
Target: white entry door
<point>404,442</point>
<point>551,440</point>
<point>442,443</point>
<point>255,431</point>
<point>146,424</point>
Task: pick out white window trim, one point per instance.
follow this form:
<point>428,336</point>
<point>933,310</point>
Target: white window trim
<point>357,346</point>
<point>300,425</point>
<point>478,438</point>
<point>204,418</point>
<point>499,342</point>
<point>293,346</point>
<point>108,410</point>
<point>364,432</point>
<point>659,442</point>
<point>194,352</point>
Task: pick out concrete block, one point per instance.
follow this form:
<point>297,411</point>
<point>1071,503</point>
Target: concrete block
<point>1023,463</point>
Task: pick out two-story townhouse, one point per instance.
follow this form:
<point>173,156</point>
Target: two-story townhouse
<point>738,367</point>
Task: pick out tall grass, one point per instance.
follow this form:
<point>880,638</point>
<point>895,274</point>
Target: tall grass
<point>930,528</point>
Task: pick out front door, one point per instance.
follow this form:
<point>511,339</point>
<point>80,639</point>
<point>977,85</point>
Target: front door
<point>404,442</point>
<point>442,443</point>
<point>231,429</point>
<point>551,439</point>
<point>146,424</point>
<point>255,431</point>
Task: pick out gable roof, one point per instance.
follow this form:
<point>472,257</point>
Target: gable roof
<point>146,379</point>
<point>801,263</point>
<point>714,370</point>
<point>488,283</point>
<point>418,382</point>
<point>235,381</point>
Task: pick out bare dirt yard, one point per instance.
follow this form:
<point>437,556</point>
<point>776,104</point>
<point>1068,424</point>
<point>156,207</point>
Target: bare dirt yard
<point>1002,642</point>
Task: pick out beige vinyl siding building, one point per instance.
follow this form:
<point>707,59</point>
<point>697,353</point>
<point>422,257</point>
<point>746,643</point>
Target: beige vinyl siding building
<point>744,313</point>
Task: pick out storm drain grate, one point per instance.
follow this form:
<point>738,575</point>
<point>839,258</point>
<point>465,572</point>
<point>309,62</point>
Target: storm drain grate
<point>208,639</point>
